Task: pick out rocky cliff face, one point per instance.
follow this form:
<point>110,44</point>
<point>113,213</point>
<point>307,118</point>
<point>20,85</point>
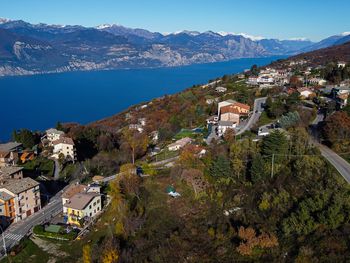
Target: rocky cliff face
<point>31,49</point>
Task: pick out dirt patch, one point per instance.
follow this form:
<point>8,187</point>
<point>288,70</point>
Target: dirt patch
<point>50,248</point>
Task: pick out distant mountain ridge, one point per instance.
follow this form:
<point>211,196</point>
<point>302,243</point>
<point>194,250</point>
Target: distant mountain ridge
<point>40,48</point>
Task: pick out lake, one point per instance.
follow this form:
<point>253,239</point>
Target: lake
<point>38,102</point>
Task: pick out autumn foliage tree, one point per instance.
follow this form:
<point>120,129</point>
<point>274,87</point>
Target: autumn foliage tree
<point>337,128</point>
<point>250,240</point>
<point>87,253</point>
<point>137,141</point>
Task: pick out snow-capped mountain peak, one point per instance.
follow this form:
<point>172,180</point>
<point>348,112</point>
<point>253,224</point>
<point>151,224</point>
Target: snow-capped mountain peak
<point>345,33</point>
<point>4,20</point>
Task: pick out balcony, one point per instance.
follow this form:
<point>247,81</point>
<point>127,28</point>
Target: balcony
<point>74,217</point>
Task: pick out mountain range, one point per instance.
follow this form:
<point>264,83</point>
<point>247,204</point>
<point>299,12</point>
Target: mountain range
<point>40,48</point>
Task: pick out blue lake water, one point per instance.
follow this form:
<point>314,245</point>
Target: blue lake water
<point>38,102</point>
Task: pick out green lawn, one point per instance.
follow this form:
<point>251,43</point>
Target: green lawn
<point>264,119</point>
<point>28,252</point>
<point>41,165</point>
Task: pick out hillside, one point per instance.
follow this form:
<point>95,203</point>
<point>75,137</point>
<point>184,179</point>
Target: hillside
<point>322,56</point>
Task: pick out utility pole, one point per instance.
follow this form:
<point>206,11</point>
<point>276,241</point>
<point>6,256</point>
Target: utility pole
<point>272,163</point>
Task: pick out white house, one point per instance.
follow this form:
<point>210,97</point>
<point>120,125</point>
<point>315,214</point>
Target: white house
<point>265,80</point>
<point>65,146</point>
<point>224,126</point>
<point>252,80</point>
<point>53,135</point>
<point>341,64</point>
<point>305,92</point>
<point>179,144</point>
<point>318,81</point>
<point>221,89</point>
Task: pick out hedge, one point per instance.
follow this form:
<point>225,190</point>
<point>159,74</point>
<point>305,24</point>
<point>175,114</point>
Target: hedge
<point>40,232</point>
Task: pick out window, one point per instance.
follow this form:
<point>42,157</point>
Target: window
<point>90,214</point>
<point>98,201</point>
<point>89,206</point>
<point>98,208</point>
<point>0,210</point>
<point>94,203</point>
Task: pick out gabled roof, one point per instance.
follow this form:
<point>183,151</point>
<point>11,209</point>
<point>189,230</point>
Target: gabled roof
<point>54,131</point>
<point>242,105</point>
<point>81,200</point>
<point>73,190</point>
<point>63,140</point>
<point>10,146</point>
<point>17,186</point>
<point>229,109</point>
<point>9,170</point>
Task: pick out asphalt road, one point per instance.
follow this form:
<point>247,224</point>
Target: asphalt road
<point>255,115</point>
<point>341,165</point>
<point>14,233</point>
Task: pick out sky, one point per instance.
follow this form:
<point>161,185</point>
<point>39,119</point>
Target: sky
<point>283,19</point>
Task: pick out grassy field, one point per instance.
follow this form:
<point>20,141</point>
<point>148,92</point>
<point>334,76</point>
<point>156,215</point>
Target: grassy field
<point>29,252</point>
<point>264,119</point>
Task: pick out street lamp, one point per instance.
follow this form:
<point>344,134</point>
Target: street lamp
<point>3,239</point>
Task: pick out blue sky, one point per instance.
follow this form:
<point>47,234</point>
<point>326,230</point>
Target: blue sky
<point>313,19</point>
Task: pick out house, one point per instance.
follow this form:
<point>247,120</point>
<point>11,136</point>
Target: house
<point>243,109</point>
<point>137,127</point>
<point>318,81</point>
<point>212,120</point>
<point>341,64</point>
<point>341,95</point>
<point>71,191</point>
<point>65,146</point>
<point>11,147</point>
<point>252,80</point>
<point>82,207</point>
<point>11,172</point>
<point>224,126</point>
<point>224,103</point>
<point>265,80</point>
<point>26,195</point>
<point>179,144</point>
<point>8,158</point>
<point>7,209</point>
<point>230,113</point>
<point>53,135</point>
<point>305,92</point>
<point>9,153</point>
<point>221,89</point>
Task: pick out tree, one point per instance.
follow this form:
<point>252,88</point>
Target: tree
<point>275,143</point>
<point>26,137</point>
<point>258,168</point>
<point>236,155</point>
<point>220,167</point>
<point>129,181</point>
<point>337,127</point>
<point>110,256</point>
<point>137,142</point>
<point>254,70</point>
<point>87,254</point>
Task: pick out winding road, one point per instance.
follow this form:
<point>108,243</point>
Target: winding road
<point>258,108</point>
<point>341,165</point>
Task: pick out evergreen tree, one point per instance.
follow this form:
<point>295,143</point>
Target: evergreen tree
<point>220,167</point>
